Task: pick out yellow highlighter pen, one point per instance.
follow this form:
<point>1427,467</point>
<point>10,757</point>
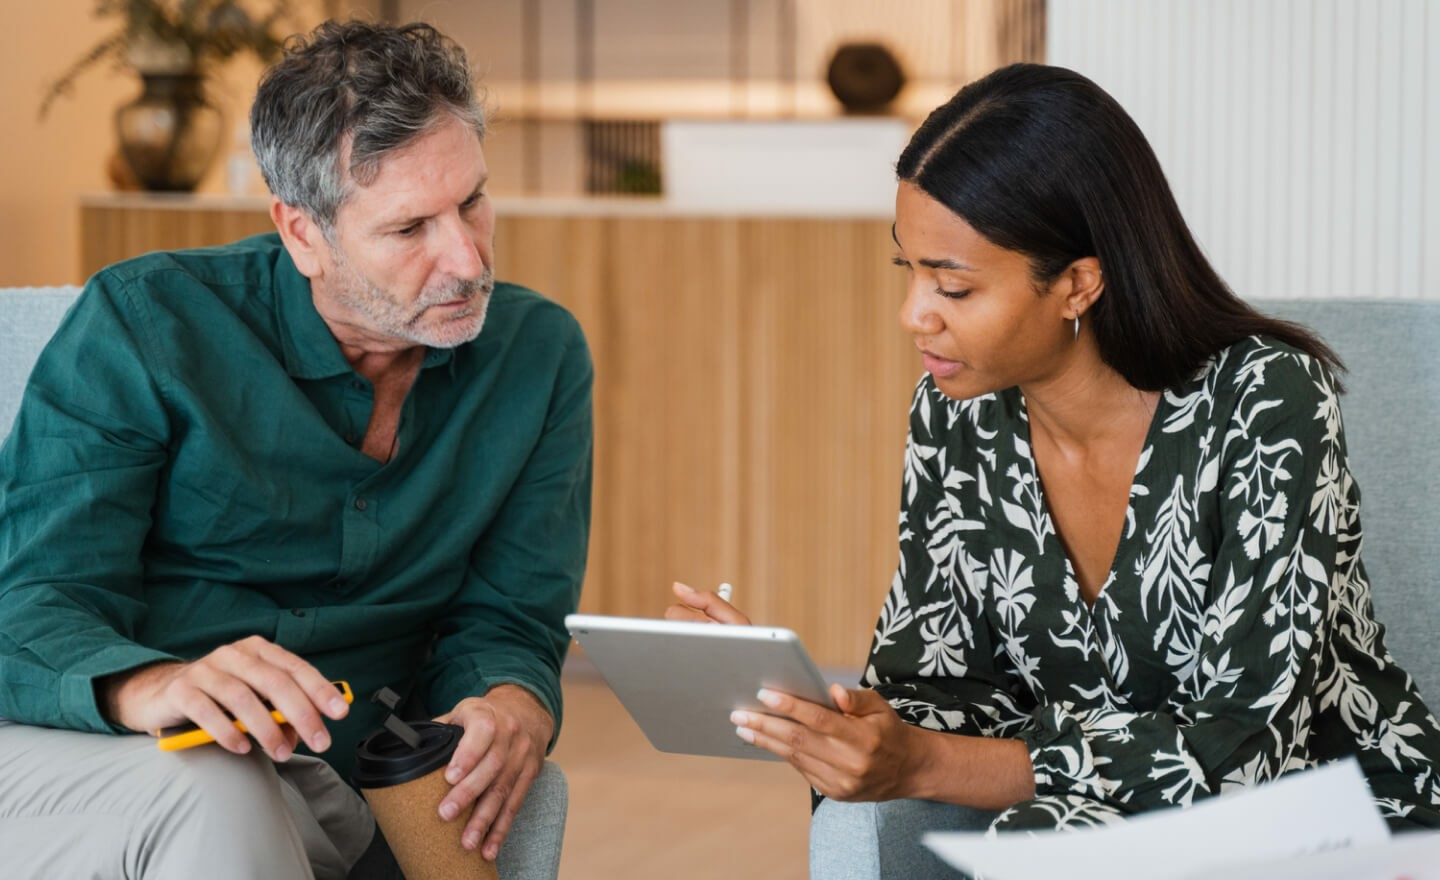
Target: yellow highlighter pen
<point>185,736</point>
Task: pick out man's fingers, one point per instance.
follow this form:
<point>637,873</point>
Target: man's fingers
<point>479,739</point>
<point>214,699</point>
<point>294,686</point>
<point>497,788</point>
<point>207,715</point>
<point>248,680</point>
<point>478,759</point>
<point>471,787</point>
<point>500,827</point>
<point>499,756</point>
<point>263,689</point>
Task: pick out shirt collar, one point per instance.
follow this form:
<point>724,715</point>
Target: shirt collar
<point>310,349</point>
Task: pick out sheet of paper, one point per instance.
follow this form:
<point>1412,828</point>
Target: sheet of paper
<point>1402,857</point>
<point>1321,810</point>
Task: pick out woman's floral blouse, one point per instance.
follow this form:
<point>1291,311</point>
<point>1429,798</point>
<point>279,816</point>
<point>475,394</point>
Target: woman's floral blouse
<point>1233,640</point>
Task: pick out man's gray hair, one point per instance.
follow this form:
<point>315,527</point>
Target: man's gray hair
<point>369,87</point>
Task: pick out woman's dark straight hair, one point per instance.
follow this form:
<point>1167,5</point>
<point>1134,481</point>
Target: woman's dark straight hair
<point>1042,161</point>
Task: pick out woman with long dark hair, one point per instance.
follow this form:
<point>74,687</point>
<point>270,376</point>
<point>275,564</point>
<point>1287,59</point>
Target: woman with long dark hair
<point>1129,541</point>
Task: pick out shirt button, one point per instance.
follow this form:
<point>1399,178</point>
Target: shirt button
<point>298,612</point>
<point>361,504</point>
<point>357,384</point>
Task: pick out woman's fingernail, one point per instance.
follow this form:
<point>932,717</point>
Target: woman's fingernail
<point>746,734</point>
<point>768,697</point>
<point>737,717</point>
<point>470,841</point>
<point>686,587</point>
<point>453,775</point>
<point>448,811</point>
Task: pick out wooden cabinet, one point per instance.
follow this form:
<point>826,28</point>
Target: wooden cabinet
<point>751,393</point>
<point>117,227</point>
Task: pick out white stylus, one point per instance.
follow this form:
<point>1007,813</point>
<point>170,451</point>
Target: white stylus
<point>725,591</point>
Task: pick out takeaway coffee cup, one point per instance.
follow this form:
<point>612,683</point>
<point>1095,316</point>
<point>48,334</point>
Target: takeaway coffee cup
<point>404,785</point>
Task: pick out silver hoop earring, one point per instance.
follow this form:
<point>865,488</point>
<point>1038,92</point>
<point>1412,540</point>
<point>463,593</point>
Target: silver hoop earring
<point>1077,326</point>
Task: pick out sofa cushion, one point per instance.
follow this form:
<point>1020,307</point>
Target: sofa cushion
<point>28,318</point>
<point>1391,410</point>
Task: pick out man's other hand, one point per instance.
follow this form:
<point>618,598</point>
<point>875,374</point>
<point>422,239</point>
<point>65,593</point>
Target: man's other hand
<point>499,756</point>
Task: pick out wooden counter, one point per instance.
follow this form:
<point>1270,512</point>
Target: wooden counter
<point>751,393</point>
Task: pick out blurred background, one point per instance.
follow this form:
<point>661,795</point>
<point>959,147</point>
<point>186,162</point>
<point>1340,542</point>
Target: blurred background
<point>708,185</point>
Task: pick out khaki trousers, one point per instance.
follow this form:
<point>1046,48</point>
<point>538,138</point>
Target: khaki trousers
<point>81,805</point>
<point>89,805</point>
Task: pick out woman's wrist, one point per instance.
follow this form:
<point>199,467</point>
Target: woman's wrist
<point>972,771</point>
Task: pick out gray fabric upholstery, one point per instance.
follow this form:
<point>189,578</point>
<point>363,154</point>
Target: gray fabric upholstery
<point>1392,424</point>
<point>881,841</point>
<point>28,318</point>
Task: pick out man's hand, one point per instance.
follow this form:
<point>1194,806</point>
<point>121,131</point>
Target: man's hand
<point>499,756</point>
<point>233,681</point>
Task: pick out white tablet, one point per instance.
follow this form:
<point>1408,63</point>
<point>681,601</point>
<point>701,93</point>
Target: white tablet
<point>681,681</point>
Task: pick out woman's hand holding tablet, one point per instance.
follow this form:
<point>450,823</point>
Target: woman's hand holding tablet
<point>681,680</point>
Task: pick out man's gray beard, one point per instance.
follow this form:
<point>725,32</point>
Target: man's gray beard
<point>358,293</point>
<point>477,294</point>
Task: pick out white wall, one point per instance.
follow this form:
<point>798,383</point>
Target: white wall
<point>1301,137</point>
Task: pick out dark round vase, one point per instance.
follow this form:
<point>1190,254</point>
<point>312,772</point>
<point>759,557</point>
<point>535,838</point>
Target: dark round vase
<point>169,136</point>
<point>865,77</point>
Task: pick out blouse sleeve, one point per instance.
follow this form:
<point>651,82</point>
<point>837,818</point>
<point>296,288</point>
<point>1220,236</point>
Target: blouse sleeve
<point>932,656</point>
<point>1266,496</point>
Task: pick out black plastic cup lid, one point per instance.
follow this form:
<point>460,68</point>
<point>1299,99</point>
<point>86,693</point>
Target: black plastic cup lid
<point>382,759</point>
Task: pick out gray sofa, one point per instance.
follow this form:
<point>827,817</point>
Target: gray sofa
<point>28,317</point>
<point>1392,425</point>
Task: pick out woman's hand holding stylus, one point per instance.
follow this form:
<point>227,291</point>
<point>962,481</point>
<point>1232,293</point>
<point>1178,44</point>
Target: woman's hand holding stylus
<point>704,607</point>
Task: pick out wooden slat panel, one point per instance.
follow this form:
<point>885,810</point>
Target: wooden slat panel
<point>108,235</point>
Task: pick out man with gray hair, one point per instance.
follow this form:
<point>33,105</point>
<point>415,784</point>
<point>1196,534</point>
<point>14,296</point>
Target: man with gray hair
<point>340,451</point>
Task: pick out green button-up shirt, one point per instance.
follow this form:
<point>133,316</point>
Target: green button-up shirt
<point>185,471</point>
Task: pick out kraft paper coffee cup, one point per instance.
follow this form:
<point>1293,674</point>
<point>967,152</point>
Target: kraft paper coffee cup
<point>404,787</point>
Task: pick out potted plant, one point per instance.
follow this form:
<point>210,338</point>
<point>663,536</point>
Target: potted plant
<point>169,135</point>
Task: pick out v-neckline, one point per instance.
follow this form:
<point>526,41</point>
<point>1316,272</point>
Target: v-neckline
<point>1072,582</point>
